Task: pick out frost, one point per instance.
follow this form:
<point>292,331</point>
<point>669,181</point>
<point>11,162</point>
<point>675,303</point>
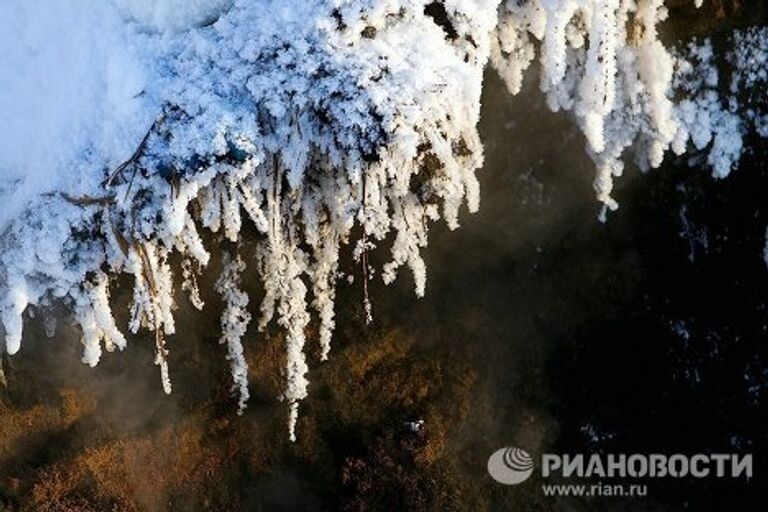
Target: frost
<point>234,323</point>
<point>170,128</point>
<point>95,318</point>
<point>603,62</point>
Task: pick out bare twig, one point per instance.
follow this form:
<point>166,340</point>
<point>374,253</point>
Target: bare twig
<point>139,152</point>
<point>87,200</point>
<point>364,261</point>
<point>134,157</point>
<point>146,269</point>
<point>121,241</point>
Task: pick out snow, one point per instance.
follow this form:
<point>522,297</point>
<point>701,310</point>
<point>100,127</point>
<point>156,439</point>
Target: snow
<point>134,126</point>
<point>173,15</point>
<point>70,97</point>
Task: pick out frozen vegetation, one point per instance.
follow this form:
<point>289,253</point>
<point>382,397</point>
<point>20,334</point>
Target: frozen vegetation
<point>131,127</point>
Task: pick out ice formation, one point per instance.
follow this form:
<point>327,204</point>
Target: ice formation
<point>321,123</point>
<point>234,323</point>
<point>603,62</point>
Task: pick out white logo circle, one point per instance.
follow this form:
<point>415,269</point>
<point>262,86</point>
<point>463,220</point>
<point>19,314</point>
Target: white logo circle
<point>510,466</point>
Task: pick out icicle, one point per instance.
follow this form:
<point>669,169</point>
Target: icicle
<point>189,284</point>
<point>16,301</point>
<point>282,263</point>
<point>95,318</point>
<point>161,360</point>
<point>234,323</point>
<point>153,300</point>
<point>597,90</point>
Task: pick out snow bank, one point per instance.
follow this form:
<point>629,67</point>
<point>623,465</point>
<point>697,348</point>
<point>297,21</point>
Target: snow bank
<point>71,98</point>
<point>134,125</point>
